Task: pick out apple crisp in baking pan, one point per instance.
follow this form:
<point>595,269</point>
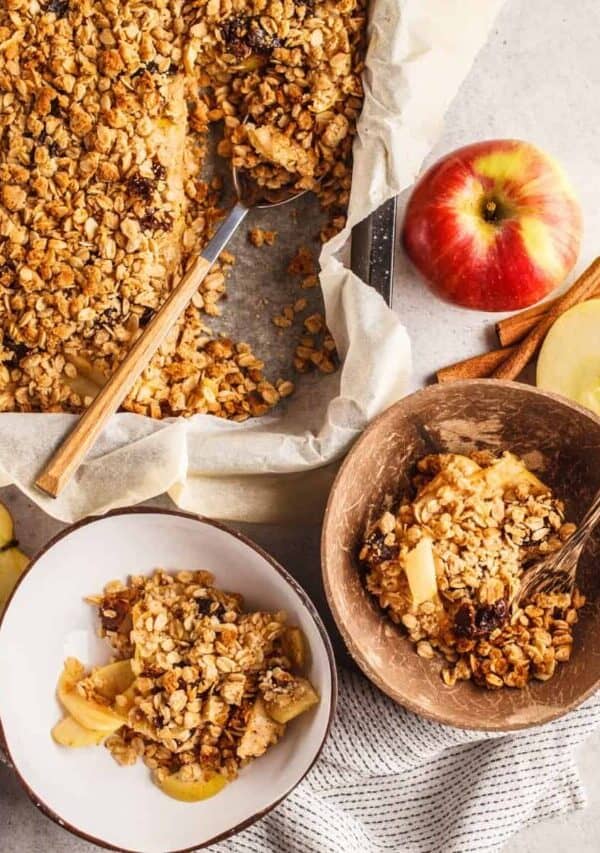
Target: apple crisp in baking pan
<point>105,109</point>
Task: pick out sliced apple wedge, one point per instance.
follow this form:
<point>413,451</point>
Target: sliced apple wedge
<point>113,680</point>
<point>261,731</point>
<point>569,361</point>
<point>13,563</point>
<point>509,471</point>
<point>89,714</point>
<point>69,733</point>
<point>192,792</point>
<point>420,572</point>
<point>294,646</point>
<point>7,528</point>
<point>286,706</point>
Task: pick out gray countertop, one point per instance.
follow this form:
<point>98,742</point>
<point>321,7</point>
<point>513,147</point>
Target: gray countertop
<point>537,79</point>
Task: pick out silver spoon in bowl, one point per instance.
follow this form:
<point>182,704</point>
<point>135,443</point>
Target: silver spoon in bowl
<point>556,572</point>
<point>70,454</point>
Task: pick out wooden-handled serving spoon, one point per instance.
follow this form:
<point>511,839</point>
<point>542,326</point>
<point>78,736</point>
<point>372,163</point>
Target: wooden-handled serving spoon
<point>69,456</point>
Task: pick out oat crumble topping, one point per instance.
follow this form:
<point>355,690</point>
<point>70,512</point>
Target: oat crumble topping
<point>212,686</point>
<point>104,110</point>
<point>483,521</point>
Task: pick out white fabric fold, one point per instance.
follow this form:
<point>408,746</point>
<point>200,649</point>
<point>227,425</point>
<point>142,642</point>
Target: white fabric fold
<point>391,782</point>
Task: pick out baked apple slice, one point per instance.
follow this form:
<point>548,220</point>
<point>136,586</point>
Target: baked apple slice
<point>192,792</point>
<point>507,472</point>
<point>88,713</point>
<point>262,730</point>
<point>420,572</point>
<point>70,733</point>
<point>294,647</point>
<point>88,379</point>
<point>112,680</point>
<point>286,706</point>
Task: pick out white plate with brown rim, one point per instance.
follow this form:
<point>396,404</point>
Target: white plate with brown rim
<point>47,620</point>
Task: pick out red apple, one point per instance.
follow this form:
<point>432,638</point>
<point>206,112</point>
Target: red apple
<point>494,226</point>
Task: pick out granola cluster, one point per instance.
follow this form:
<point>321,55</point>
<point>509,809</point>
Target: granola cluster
<point>207,675</point>
<point>482,522</point>
<point>104,113</point>
<point>286,75</point>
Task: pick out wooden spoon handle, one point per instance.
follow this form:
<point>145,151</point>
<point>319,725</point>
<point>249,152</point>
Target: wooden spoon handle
<point>67,459</point>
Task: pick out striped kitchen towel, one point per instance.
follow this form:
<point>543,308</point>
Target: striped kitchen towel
<point>391,782</point>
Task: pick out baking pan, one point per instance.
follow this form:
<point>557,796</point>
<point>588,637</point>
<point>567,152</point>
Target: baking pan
<point>373,249</point>
<point>259,285</point>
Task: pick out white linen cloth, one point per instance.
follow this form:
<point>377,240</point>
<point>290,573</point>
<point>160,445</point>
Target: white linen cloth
<point>391,782</point>
<point>420,51</point>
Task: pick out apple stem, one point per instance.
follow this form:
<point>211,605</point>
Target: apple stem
<point>490,211</point>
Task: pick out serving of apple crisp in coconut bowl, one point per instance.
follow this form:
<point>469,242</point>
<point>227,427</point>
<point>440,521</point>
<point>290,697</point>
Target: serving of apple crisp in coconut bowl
<point>435,521</point>
<point>160,678</point>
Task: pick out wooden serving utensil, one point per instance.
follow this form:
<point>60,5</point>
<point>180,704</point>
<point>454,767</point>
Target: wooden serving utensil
<point>69,456</point>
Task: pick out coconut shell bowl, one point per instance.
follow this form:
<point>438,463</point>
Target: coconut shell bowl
<point>560,442</point>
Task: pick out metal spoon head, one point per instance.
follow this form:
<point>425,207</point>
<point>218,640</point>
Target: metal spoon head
<point>557,571</point>
<point>253,195</point>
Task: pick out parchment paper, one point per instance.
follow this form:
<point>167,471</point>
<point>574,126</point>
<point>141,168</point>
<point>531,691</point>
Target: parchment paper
<point>279,467</point>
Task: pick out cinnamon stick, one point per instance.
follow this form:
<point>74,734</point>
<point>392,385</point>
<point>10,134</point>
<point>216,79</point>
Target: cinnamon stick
<point>584,287</point>
<point>478,367</point>
<point>513,329</point>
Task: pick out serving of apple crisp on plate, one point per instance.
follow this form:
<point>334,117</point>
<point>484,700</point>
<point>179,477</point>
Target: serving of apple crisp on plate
<point>162,689</point>
<point>105,109</point>
<point>199,688</point>
<point>447,564</point>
